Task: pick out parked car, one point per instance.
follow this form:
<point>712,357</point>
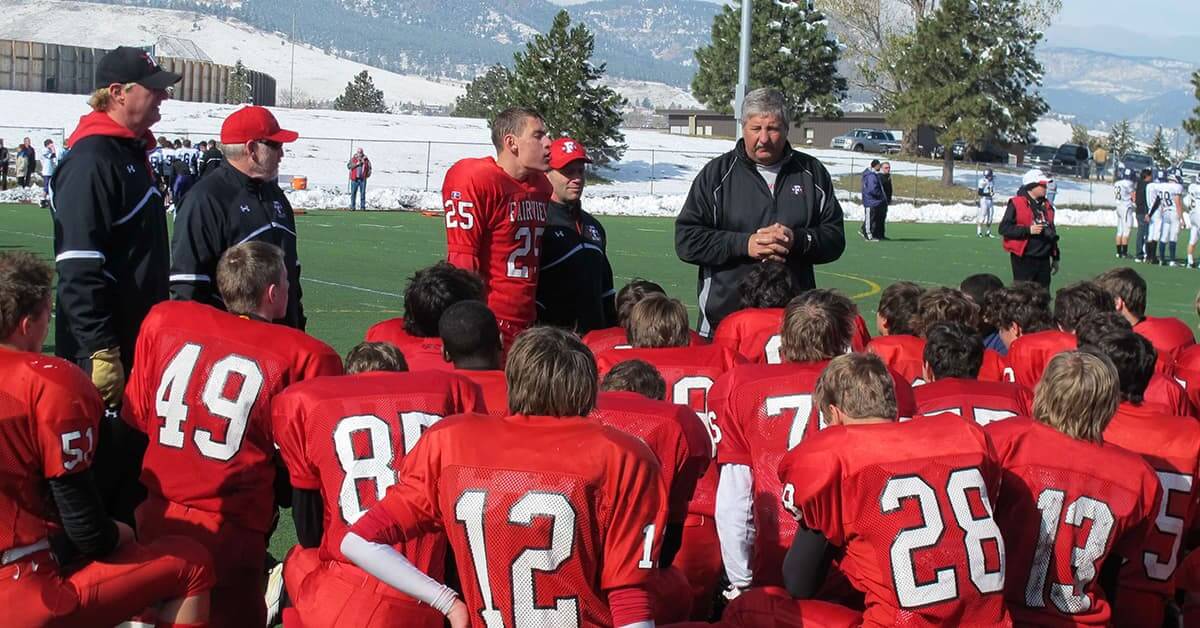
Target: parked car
<point>989,153</point>
<point>867,140</point>
<point>1040,155</point>
<point>1071,159</point>
<point>1190,169</point>
<point>957,149</point>
<point>1135,162</point>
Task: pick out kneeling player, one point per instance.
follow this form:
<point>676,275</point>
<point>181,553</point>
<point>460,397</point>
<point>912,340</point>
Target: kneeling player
<point>1071,508</point>
<point>953,355</point>
<point>553,523</point>
<point>343,440</point>
<point>907,505</point>
<point>429,293</point>
<point>63,561</point>
<point>201,390</point>
<point>471,342</point>
<point>896,319</point>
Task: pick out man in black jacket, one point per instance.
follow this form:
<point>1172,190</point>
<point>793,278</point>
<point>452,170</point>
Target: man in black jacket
<point>238,202</point>
<point>575,282</point>
<point>211,158</point>
<point>110,247</point>
<point>760,201</point>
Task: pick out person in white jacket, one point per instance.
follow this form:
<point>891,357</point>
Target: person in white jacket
<point>50,157</point>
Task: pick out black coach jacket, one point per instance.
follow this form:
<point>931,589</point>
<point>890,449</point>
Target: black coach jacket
<point>729,201</point>
<point>223,209</point>
<point>110,240</point>
<point>575,280</point>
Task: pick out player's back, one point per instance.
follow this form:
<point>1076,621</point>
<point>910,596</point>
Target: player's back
<point>910,504</point>
<point>1123,189</point>
<point>754,333</point>
<point>1030,353</point>
<point>421,354</point>
<point>49,417</point>
<point>1064,505</point>
<point>901,353</point>
<point>494,387</point>
<point>974,400</point>
<point>1169,394</point>
<point>1187,372</point>
<point>1169,335</point>
<point>201,391</point>
<point>547,494</point>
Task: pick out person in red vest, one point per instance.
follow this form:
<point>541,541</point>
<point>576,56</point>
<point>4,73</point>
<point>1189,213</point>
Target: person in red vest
<point>360,168</point>
<point>1028,231</point>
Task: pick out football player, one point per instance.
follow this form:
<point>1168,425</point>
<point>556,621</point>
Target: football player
<point>1193,202</point>
<point>1071,508</point>
<point>496,213</point>
<point>985,189</point>
<point>1187,367</point>
<point>632,400</point>
<point>753,331</point>
<point>953,355</point>
<point>62,561</point>
<point>896,319</point>
<point>1166,199</point>
<point>658,333</point>
<point>553,523</point>
<point>906,506</point>
<point>471,342</point>
<point>978,287</point>
<point>1030,353</point>
<point>343,440</point>
<point>1022,314</point>
<point>942,305</point>
<point>600,340</point>
<point>1162,391</point>
<point>1171,445</point>
<point>1124,188</point>
<point>429,292</point>
<point>201,391</point>
<point>1168,334</point>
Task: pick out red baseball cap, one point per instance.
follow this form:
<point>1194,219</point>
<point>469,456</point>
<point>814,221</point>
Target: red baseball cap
<point>254,123</point>
<point>565,150</point>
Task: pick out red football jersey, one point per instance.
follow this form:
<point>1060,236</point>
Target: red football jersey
<point>994,368</point>
<point>1029,354</point>
<point>689,372</point>
<point>421,354</point>
<point>1169,335</point>
<point>201,390</point>
<point>1064,506</point>
<point>1187,372</point>
<point>902,353</point>
<point>763,411</point>
<point>673,432</point>
<point>910,504</point>
<point>981,402</point>
<point>347,436</point>
<point>49,422</point>
<point>1171,445</point>
<point>862,335</point>
<point>753,333</point>
<point>494,226</point>
<point>548,516</point>
<point>494,387</point>
<point>1167,392</point>
<point>599,340</point>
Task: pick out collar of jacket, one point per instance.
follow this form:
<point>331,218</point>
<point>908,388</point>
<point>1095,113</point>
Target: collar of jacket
<point>242,179</point>
<point>740,151</point>
<point>100,123</point>
<point>564,213</point>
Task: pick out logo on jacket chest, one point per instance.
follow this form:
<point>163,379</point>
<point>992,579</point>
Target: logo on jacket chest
<point>797,189</point>
<point>278,208</point>
<point>527,211</point>
<point>591,233</point>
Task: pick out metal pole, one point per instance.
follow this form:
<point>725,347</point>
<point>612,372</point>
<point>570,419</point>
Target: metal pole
<point>428,150</point>
<point>652,171</point>
<point>292,86</point>
<point>739,92</point>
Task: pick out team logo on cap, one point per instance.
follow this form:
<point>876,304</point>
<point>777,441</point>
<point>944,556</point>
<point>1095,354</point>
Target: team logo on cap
<point>568,147</point>
<point>149,59</point>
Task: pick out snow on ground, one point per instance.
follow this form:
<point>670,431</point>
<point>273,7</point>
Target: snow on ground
<point>410,155</point>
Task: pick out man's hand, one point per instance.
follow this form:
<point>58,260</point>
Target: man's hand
<point>1036,229</point>
<point>771,243</point>
<point>782,234</point>
<point>108,375</point>
<point>459,616</point>
<point>1054,267</point>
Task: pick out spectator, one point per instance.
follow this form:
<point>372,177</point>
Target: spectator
<point>1142,210</point>
<point>111,250</point>
<point>50,156</point>
<point>360,169</point>
<point>575,283</point>
<point>1100,157</point>
<point>879,228</point>
<point>239,202</point>
<point>3,166</point>
<point>725,226</point>
<point>212,158</point>
<point>1029,233</point>
<point>873,199</point>
<point>25,168</point>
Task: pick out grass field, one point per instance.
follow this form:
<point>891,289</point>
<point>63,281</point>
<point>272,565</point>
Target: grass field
<point>356,265</point>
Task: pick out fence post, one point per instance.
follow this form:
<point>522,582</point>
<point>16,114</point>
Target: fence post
<point>916,180</point>
<point>428,151</point>
<point>652,171</point>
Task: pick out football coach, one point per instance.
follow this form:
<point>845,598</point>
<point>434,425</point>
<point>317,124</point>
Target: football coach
<point>760,201</point>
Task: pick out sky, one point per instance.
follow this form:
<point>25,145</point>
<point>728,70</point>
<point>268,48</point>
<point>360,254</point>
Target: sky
<point>1156,17</point>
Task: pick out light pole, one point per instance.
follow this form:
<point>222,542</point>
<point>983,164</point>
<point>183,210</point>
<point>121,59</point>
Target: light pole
<point>292,84</point>
<point>739,92</point>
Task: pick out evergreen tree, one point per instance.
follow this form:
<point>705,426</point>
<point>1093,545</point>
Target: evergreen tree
<point>361,95</point>
<point>1079,135</point>
<point>1160,149</point>
<point>486,96</point>
<point>555,76</point>
<point>791,50</point>
<point>967,70</point>
<point>1191,126</point>
<point>1120,139</point>
<point>647,103</point>
<point>237,91</point>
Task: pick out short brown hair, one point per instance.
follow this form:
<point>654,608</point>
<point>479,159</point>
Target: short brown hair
<point>244,273</point>
<point>636,376</point>
<point>1126,284</point>
<point>658,321</point>
<point>375,356</point>
<point>860,385</point>
<point>944,305</point>
<point>1025,304</point>
<point>24,288</point>
<point>817,325</point>
<point>1077,395</point>
<point>898,306</point>
<point>550,372</point>
<point>1074,302</point>
<point>511,121</point>
<point>629,295</point>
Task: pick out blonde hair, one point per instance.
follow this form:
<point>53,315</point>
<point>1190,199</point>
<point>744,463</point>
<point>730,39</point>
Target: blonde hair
<point>244,273</point>
<point>101,98</point>
<point>1078,395</point>
<point>367,357</point>
<point>550,372</point>
<point>860,385</point>
<point>658,321</point>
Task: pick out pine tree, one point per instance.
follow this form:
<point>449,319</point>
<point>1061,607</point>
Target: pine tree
<point>1191,126</point>
<point>1079,135</point>
<point>555,76</point>
<point>361,95</point>
<point>1160,149</point>
<point>967,70</point>
<point>486,96</point>
<point>791,50</point>
<point>237,91</point>
<point>1120,139</point>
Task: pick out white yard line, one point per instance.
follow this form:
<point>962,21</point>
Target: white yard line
<point>352,287</point>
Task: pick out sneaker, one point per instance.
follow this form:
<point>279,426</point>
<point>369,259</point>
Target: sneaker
<point>1172,263</point>
<point>989,234</point>
<point>275,594</point>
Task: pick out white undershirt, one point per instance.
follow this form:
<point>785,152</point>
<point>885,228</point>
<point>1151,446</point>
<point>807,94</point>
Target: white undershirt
<point>770,173</point>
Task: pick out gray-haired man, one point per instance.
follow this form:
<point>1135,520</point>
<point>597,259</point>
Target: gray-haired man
<point>760,201</point>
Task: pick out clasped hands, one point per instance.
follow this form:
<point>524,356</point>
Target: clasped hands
<point>771,244</point>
